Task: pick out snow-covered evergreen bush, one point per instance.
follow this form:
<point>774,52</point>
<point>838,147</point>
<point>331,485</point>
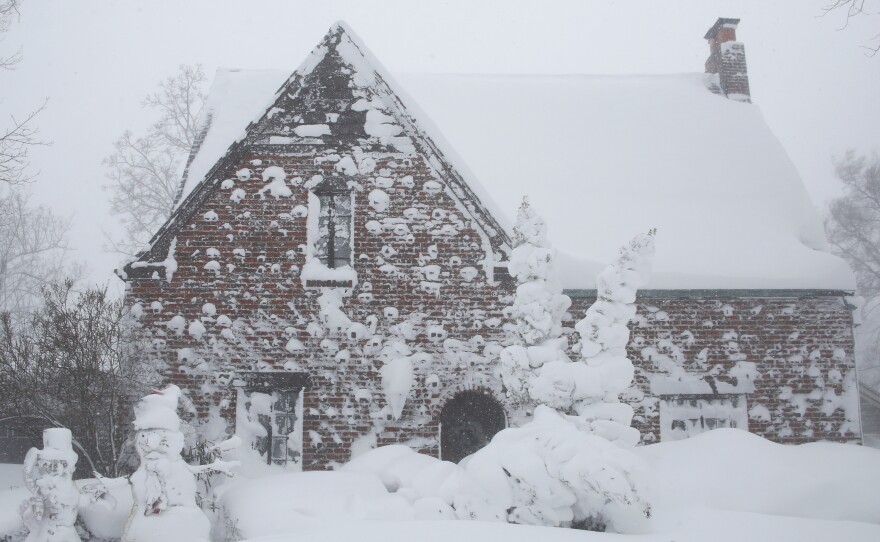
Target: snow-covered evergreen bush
<point>551,472</point>
<point>604,334</point>
<point>536,312</point>
<point>548,472</point>
<point>591,386</point>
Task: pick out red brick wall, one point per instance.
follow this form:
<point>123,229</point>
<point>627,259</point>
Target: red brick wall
<point>800,346</point>
<point>264,295</point>
<point>796,343</point>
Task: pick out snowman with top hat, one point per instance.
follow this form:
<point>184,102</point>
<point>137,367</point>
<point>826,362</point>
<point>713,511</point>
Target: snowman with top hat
<point>164,486</point>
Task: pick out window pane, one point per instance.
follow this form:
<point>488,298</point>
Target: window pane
<point>342,253</point>
<point>279,450</point>
<point>333,245</point>
<point>261,444</point>
<point>322,243</point>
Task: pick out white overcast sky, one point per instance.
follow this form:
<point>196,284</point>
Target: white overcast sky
<point>96,59</point>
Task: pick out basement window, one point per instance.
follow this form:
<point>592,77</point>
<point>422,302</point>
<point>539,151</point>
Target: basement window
<point>683,416</point>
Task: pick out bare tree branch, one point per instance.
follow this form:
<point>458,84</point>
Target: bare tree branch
<point>853,230</point>
<point>15,142</point>
<point>853,8</point>
<point>33,252</point>
<point>8,12</point>
<point>144,172</point>
<point>179,100</point>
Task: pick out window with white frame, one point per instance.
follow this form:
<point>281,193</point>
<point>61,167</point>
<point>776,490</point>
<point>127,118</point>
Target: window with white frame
<point>334,236</point>
<point>683,416</point>
<point>270,415</point>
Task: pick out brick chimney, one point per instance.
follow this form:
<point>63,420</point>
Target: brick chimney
<point>726,72</point>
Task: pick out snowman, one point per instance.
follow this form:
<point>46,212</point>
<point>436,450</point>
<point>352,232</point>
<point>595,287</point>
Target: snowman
<point>51,511</point>
<point>164,485</point>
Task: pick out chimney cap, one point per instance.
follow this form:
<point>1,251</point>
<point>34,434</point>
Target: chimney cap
<point>719,24</point>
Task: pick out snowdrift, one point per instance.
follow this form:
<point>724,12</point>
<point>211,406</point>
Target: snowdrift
<point>723,485</point>
<point>727,484</point>
<point>731,469</point>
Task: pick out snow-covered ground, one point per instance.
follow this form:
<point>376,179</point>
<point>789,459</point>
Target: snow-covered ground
<point>702,526</point>
<point>725,485</point>
<point>12,492</point>
<point>10,476</point>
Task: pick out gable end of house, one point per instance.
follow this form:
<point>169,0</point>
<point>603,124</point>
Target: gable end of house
<point>339,65</point>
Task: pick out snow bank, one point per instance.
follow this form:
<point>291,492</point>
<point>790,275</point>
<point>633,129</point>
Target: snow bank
<point>106,517</point>
<point>705,526</point>
<point>10,519</point>
<point>288,502</point>
<point>732,469</point>
<point>11,475</point>
<point>725,485</point>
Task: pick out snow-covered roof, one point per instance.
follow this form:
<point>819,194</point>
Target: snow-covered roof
<point>604,158</point>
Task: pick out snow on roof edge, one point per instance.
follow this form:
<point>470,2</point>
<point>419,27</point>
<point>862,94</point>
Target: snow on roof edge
<point>427,129</point>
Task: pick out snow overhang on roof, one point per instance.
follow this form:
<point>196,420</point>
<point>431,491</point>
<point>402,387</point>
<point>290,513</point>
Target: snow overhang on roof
<point>604,158</point>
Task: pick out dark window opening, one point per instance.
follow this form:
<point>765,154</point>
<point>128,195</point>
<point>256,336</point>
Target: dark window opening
<point>333,246</point>
<point>467,423</point>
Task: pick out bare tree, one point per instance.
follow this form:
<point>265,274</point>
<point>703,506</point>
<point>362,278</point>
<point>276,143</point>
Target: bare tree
<point>15,142</point>
<point>853,224</point>
<point>853,229</point>
<point>145,171</point>
<point>76,366</point>
<point>853,8</point>
<point>179,101</point>
<point>33,251</point>
<point>21,135</point>
<point>8,12</point>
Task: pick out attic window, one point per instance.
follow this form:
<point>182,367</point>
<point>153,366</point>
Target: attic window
<point>333,243</point>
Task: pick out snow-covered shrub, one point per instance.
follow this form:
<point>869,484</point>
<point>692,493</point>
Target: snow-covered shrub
<point>548,472</point>
<point>537,309</point>
<point>591,386</point>
<point>557,474</point>
<point>604,335</point>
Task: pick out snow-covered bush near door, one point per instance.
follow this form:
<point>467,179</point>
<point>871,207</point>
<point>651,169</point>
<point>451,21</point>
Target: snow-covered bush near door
<point>548,472</point>
<point>536,312</point>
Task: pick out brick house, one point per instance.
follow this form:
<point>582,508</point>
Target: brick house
<point>329,224</point>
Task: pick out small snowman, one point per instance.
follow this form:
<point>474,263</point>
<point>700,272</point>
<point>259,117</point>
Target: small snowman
<point>51,511</point>
<point>164,485</point>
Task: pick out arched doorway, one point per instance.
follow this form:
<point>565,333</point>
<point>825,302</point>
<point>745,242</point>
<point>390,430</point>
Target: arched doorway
<point>468,422</point>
